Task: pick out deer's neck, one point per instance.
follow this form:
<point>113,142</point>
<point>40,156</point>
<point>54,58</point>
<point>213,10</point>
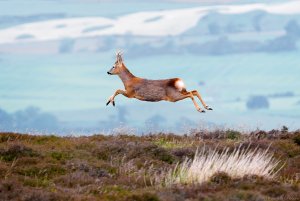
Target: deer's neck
<point>126,76</point>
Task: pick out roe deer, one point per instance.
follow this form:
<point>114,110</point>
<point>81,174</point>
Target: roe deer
<point>151,90</point>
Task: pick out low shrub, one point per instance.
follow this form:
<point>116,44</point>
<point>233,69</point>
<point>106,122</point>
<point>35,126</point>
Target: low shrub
<point>220,178</point>
<point>108,150</point>
<point>151,151</point>
<point>10,189</point>
<point>9,137</point>
<point>275,191</point>
<point>46,139</point>
<point>233,135</point>
<point>296,139</point>
<point>41,171</point>
<point>38,195</point>
<point>36,182</point>
<point>75,179</point>
<point>143,197</point>
<point>16,150</point>
<point>60,156</point>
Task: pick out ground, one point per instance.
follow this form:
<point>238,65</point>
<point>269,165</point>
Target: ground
<point>128,168</point>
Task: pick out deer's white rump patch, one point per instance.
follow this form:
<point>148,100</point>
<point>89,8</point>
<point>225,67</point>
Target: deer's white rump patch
<point>179,84</point>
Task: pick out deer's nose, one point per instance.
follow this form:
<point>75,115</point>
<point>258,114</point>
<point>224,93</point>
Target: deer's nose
<point>108,73</point>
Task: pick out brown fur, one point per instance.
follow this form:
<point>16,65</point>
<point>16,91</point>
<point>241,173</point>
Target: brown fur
<point>151,90</point>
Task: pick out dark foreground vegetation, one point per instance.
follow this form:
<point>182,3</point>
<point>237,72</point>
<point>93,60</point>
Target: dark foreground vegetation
<point>124,167</point>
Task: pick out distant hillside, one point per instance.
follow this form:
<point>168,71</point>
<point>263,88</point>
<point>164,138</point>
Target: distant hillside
<point>215,23</point>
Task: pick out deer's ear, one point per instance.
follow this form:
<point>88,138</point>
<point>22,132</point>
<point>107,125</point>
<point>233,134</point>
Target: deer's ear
<point>119,57</point>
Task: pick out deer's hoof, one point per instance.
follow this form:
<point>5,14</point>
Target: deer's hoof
<point>107,102</point>
<point>208,108</point>
<point>113,102</point>
<point>200,110</point>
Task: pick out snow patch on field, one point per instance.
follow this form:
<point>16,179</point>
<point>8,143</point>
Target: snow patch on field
<point>154,23</point>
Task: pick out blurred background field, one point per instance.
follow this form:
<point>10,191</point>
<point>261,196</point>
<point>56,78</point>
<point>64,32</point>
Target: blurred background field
<point>243,57</point>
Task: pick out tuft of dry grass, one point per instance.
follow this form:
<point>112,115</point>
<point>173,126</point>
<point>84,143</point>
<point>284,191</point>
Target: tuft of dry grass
<point>236,164</point>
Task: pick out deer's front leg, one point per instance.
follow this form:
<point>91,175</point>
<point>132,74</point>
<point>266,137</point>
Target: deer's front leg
<point>112,98</point>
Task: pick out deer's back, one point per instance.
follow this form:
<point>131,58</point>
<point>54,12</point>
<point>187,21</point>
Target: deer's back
<point>154,90</point>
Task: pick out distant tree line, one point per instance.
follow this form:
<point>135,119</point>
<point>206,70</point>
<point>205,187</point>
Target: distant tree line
<point>221,45</point>
<point>29,119</point>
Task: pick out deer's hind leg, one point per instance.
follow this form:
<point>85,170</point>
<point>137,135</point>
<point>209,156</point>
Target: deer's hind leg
<point>196,93</point>
<point>180,95</point>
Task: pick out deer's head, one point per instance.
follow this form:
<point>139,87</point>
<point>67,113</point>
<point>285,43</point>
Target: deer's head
<point>118,65</point>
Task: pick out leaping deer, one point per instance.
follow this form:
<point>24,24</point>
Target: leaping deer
<point>151,90</point>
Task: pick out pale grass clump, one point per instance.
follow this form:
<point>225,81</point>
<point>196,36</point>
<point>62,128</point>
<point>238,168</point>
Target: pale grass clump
<point>236,164</point>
